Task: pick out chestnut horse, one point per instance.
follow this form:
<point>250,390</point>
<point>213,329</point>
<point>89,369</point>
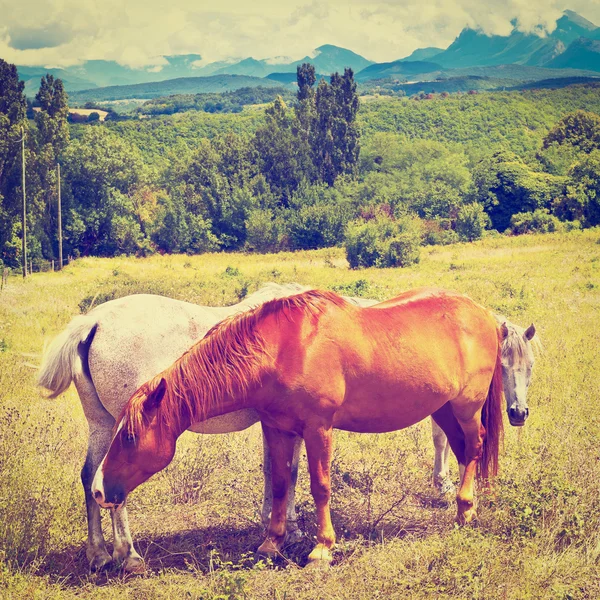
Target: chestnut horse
<point>313,362</point>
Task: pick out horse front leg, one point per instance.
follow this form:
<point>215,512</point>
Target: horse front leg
<point>123,551</point>
<point>319,443</point>
<point>293,532</point>
<point>474,434</point>
<point>281,451</point>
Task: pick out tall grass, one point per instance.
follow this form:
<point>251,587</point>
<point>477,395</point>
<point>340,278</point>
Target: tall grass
<point>196,522</point>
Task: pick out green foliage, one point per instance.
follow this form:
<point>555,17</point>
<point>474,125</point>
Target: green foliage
<point>471,222</point>
<point>538,221</point>
<point>13,107</point>
<point>383,242</point>
<point>228,102</point>
<point>580,129</point>
<point>505,185</point>
<point>317,217</point>
<point>264,231</point>
<point>581,201</point>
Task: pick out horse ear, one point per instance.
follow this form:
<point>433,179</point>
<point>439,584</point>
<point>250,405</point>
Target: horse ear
<point>154,398</point>
<point>504,331</point>
<point>529,332</point>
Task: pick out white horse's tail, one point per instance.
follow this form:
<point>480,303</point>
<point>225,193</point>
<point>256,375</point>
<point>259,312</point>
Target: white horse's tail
<point>64,359</point>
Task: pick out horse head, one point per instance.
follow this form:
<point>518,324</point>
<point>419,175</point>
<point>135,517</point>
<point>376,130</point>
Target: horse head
<point>517,365</point>
<point>140,447</point>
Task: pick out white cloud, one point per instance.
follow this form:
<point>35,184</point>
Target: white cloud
<point>137,32</point>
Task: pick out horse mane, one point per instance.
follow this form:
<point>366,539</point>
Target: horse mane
<point>226,362</point>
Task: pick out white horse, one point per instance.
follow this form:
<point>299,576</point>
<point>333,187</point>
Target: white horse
<point>119,345</point>
<point>517,365</point>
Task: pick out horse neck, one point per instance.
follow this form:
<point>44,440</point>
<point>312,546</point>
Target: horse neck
<point>206,385</point>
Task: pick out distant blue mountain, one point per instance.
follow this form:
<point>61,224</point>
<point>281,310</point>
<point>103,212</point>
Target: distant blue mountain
<point>565,47</point>
<point>423,54</point>
<point>475,48</point>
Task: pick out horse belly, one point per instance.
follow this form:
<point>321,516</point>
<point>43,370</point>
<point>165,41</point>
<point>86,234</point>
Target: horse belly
<point>381,413</point>
<point>228,423</point>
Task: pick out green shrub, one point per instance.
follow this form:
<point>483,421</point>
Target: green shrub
<point>384,242</point>
<point>317,226</point>
<point>264,232</point>
<point>471,222</point>
<point>438,232</point>
<point>538,221</point>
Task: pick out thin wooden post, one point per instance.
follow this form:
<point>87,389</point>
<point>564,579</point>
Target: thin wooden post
<point>60,245</point>
<point>53,265</point>
<point>24,216</point>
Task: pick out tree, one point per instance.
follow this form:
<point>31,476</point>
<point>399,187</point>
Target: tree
<point>52,138</point>
<point>505,185</point>
<point>102,173</point>
<point>51,119</point>
<point>13,109</point>
<point>579,128</point>
<point>581,201</point>
<point>281,159</point>
<point>335,135</point>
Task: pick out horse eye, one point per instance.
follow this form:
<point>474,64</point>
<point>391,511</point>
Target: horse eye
<point>130,438</point>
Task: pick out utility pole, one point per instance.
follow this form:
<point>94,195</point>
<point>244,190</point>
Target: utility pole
<point>60,252</point>
<point>24,216</point>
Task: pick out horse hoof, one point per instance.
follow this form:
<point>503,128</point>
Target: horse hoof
<point>318,564</point>
<point>268,549</point>
<point>100,562</point>
<point>447,488</point>
<point>134,565</point>
<point>467,518</point>
<point>320,557</point>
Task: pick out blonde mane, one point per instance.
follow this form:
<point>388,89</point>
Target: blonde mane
<point>228,361</point>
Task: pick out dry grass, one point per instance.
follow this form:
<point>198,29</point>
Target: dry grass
<point>197,523</point>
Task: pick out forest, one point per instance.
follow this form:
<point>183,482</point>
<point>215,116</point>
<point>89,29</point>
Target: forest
<point>324,168</point>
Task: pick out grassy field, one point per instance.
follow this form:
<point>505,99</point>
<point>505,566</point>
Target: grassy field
<point>197,523</point>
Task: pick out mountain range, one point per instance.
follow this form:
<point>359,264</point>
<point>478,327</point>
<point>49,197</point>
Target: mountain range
<point>574,44</point>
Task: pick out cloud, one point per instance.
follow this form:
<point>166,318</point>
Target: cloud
<point>136,33</point>
<point>50,36</point>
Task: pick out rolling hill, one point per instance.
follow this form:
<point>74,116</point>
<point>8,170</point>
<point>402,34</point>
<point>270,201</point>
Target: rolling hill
<point>182,85</point>
<point>398,69</point>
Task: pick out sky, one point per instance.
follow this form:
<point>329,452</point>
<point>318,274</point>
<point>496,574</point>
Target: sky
<point>136,33</point>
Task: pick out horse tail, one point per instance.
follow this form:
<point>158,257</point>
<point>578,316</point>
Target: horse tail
<point>66,357</point>
<point>491,419</point>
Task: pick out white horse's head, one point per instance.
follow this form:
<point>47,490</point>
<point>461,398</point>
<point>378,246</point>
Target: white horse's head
<point>517,364</point>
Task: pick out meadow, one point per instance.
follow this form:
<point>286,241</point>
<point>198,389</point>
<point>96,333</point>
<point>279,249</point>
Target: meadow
<point>197,523</point>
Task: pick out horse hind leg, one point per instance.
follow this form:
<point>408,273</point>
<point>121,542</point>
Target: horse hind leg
<point>96,552</point>
<point>100,435</point>
<point>441,471</point>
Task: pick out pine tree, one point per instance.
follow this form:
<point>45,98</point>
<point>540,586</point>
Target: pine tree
<point>13,108</point>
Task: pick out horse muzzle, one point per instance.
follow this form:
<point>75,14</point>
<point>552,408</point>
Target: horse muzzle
<point>517,416</point>
<point>111,498</point>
